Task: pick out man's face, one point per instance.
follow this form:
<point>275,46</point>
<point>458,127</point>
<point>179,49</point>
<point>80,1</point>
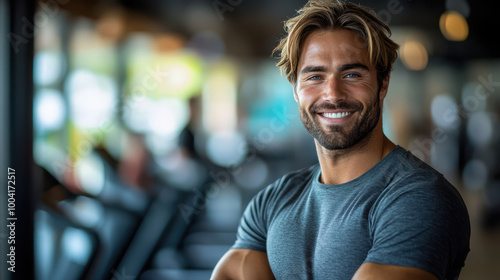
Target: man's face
<point>337,91</point>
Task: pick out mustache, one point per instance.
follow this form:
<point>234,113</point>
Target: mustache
<point>343,105</point>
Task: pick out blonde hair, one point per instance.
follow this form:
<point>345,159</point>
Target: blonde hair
<point>335,15</point>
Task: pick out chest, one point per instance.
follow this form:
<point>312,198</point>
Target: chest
<point>317,238</point>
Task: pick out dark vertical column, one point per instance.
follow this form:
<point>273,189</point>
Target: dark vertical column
<point>4,131</point>
<point>20,147</point>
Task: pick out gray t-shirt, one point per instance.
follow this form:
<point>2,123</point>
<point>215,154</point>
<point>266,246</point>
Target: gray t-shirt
<point>400,212</point>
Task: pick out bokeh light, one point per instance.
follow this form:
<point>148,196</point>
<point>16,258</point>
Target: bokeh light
<point>414,55</point>
<point>453,26</point>
<point>92,98</point>
<point>219,98</point>
<point>159,75</point>
<point>226,148</point>
<point>444,111</point>
<point>77,245</point>
<point>480,129</point>
<point>136,113</point>
<point>49,110</point>
<point>168,116</point>
<point>89,172</point>
<point>48,67</point>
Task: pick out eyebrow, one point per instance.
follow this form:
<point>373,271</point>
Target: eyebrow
<point>344,67</point>
<point>354,66</point>
<point>310,69</point>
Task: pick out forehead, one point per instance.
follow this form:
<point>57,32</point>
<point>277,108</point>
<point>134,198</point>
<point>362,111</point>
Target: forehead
<point>333,47</point>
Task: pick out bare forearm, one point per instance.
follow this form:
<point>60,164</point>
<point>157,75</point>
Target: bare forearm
<point>240,264</point>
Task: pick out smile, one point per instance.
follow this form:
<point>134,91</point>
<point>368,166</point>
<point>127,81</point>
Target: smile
<point>336,115</point>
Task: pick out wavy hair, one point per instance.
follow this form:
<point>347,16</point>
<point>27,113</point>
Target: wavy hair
<point>337,15</point>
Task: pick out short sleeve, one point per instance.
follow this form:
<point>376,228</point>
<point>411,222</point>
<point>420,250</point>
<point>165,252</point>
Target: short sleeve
<point>421,222</point>
<point>252,231</point>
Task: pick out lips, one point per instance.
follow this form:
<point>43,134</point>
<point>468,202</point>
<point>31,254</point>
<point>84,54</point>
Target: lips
<point>335,108</point>
<point>336,115</point>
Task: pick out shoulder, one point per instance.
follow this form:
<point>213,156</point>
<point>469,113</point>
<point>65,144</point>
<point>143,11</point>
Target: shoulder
<point>264,207</point>
<point>410,174</point>
<point>290,182</point>
<point>282,191</point>
<point>298,176</point>
<point>420,190</point>
<point>422,195</point>
<point>420,212</point>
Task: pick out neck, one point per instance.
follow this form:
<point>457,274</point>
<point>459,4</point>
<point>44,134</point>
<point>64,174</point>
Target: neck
<point>341,166</point>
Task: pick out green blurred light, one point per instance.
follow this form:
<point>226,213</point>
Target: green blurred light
<point>165,75</point>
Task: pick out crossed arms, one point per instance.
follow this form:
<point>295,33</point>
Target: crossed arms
<point>244,264</point>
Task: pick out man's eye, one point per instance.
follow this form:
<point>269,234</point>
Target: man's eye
<point>314,78</point>
<point>352,75</point>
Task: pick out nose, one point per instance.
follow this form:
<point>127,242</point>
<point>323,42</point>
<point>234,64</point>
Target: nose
<point>333,91</point>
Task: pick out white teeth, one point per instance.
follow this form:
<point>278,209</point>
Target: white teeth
<point>336,115</point>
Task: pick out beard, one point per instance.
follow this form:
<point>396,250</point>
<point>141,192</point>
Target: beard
<point>340,136</point>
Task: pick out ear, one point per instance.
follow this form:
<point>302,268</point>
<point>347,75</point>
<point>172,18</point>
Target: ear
<point>384,87</point>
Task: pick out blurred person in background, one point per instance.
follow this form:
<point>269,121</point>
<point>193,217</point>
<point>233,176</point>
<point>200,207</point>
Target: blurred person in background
<point>133,166</point>
<point>187,142</point>
<point>369,209</point>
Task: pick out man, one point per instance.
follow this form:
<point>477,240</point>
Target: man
<point>370,209</point>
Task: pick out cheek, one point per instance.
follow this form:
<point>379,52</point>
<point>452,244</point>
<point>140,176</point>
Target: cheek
<point>367,87</point>
<point>306,96</point>
<point>365,93</point>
